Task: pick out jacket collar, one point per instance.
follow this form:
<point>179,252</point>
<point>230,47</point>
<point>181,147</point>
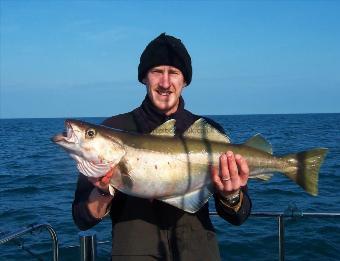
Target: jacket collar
<point>153,113</point>
<point>150,118</point>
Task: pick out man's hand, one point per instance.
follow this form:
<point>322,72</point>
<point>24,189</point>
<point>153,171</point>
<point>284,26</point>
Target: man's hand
<point>232,174</point>
<point>103,182</point>
<point>99,203</point>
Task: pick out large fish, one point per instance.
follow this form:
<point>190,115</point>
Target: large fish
<point>176,170</point>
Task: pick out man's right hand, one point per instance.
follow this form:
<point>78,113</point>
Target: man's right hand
<point>103,182</point>
<point>99,203</point>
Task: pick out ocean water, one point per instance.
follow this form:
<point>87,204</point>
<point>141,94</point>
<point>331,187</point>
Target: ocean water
<point>38,180</point>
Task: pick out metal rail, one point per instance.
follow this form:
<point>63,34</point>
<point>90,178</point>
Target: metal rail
<point>13,235</point>
<point>291,212</point>
<point>88,242</point>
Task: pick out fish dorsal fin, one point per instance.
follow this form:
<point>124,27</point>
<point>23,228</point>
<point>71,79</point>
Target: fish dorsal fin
<point>201,129</point>
<point>260,143</point>
<point>166,129</point>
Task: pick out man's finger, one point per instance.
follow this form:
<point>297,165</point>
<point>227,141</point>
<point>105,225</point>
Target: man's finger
<point>233,170</point>
<point>224,175</point>
<point>106,179</point>
<point>244,169</point>
<point>216,178</point>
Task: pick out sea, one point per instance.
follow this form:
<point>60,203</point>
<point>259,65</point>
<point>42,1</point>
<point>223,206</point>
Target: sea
<point>38,180</point>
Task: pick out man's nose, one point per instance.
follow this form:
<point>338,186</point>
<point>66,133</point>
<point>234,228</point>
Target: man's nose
<point>165,80</point>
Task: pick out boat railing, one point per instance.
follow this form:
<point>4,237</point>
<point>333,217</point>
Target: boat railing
<point>88,243</point>
<point>10,236</point>
<point>291,212</point>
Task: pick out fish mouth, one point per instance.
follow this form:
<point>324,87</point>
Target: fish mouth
<point>68,136</point>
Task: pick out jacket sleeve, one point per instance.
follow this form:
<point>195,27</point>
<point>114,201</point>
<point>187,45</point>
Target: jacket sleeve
<point>239,216</point>
<point>80,212</point>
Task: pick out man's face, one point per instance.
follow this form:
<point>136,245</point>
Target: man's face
<point>164,86</point>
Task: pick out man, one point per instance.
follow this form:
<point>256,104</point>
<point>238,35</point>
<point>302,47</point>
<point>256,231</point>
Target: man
<point>146,229</point>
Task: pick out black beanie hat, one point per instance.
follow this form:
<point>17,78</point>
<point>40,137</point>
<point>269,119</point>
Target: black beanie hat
<point>165,50</point>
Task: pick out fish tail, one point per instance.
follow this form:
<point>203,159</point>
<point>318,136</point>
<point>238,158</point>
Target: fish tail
<point>304,168</point>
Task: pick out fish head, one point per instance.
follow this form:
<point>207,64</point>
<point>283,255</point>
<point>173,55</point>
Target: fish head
<point>95,148</point>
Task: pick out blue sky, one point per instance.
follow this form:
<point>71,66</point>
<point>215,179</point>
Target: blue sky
<point>80,58</point>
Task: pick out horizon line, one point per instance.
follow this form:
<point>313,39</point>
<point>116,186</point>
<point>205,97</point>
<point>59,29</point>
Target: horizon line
<point>255,114</point>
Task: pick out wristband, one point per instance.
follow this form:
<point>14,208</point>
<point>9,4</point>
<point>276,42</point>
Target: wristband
<point>232,200</point>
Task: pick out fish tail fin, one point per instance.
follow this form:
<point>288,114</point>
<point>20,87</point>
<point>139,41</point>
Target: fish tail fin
<point>304,168</point>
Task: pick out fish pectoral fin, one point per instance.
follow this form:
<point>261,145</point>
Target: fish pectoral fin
<point>127,180</point>
<point>260,143</point>
<point>201,129</point>
<point>191,202</point>
<point>166,129</point>
<point>264,177</point>
<point>125,171</point>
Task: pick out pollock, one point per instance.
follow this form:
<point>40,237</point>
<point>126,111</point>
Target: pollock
<point>174,169</point>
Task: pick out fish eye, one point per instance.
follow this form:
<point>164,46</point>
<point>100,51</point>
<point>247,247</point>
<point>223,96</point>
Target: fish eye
<point>90,133</point>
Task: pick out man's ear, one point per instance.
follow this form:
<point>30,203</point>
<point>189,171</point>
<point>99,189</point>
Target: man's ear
<point>144,81</point>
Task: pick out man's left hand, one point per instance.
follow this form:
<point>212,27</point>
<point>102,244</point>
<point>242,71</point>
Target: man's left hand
<point>232,174</point>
